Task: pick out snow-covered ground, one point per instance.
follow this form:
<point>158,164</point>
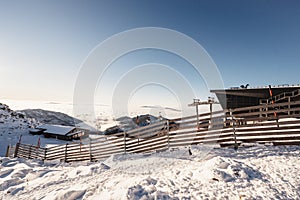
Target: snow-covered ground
<point>251,172</point>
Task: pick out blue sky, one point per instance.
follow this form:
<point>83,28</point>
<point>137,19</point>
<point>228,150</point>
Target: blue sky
<point>44,43</point>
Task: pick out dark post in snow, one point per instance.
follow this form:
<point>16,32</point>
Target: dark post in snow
<point>234,135</point>
<point>29,151</point>
<point>168,133</point>
<point>90,146</point>
<point>45,154</point>
<point>66,149</point>
<point>124,142</point>
<point>7,151</point>
<point>16,150</point>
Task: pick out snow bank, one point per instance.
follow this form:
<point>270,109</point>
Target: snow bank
<point>252,172</point>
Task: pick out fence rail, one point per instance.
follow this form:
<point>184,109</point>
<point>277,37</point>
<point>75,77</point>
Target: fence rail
<point>277,123</point>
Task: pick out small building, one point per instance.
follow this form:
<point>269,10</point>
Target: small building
<point>58,132</point>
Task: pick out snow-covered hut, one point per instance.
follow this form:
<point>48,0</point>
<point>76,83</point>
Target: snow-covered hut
<point>59,131</point>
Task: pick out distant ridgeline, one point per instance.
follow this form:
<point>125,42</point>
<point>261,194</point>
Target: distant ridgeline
<point>51,117</point>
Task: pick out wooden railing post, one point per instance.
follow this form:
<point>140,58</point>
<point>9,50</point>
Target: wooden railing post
<point>66,153</point>
<point>45,154</point>
<point>168,133</point>
<point>16,150</point>
<point>29,152</point>
<point>125,142</point>
<point>90,147</point>
<point>289,106</point>
<point>234,135</point>
<point>7,151</point>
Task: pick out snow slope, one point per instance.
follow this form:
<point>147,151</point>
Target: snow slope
<point>13,125</point>
<point>251,172</point>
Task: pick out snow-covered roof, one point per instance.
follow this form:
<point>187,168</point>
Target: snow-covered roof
<point>34,130</point>
<point>56,129</point>
<point>74,133</point>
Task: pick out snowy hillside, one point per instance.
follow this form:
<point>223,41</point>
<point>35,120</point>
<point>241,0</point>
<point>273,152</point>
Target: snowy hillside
<point>253,172</point>
<point>13,125</point>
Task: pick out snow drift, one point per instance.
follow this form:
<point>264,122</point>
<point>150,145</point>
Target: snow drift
<point>253,172</point>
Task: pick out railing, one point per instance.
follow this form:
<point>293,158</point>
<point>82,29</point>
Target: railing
<point>282,96</point>
<point>277,123</point>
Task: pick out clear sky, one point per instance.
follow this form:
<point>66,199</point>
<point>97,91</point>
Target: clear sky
<point>44,43</point>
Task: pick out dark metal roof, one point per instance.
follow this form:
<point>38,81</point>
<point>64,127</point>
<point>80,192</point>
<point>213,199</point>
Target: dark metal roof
<point>261,92</point>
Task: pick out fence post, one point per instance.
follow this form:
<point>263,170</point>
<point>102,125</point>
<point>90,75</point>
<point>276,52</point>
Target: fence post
<point>66,149</point>
<point>90,146</point>
<point>261,110</point>
<point>234,135</point>
<point>45,154</point>
<point>289,106</point>
<point>125,142</point>
<point>277,122</point>
<point>29,154</point>
<point>7,151</point>
<point>168,133</point>
<point>16,150</point>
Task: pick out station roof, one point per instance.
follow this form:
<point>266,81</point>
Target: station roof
<point>258,92</point>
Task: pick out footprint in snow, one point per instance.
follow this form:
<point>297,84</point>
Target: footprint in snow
<point>10,163</point>
<point>5,173</point>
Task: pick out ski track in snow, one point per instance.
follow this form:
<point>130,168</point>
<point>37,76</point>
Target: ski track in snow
<point>253,172</point>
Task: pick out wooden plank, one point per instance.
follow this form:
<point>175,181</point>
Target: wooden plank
<point>146,146</point>
<point>287,142</point>
<point>265,106</point>
<point>202,138</point>
<point>269,123</point>
<point>111,141</point>
<point>51,151</point>
<point>202,135</point>
<point>267,128</point>
<point>146,141</point>
<point>269,133</point>
<point>56,147</point>
<point>94,146</point>
<point>271,139</point>
<point>208,132</point>
<point>268,112</point>
<point>174,144</point>
<point>149,149</point>
<point>95,151</point>
<point>106,154</point>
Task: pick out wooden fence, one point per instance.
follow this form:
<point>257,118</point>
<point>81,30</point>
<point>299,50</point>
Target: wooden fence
<point>277,124</point>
